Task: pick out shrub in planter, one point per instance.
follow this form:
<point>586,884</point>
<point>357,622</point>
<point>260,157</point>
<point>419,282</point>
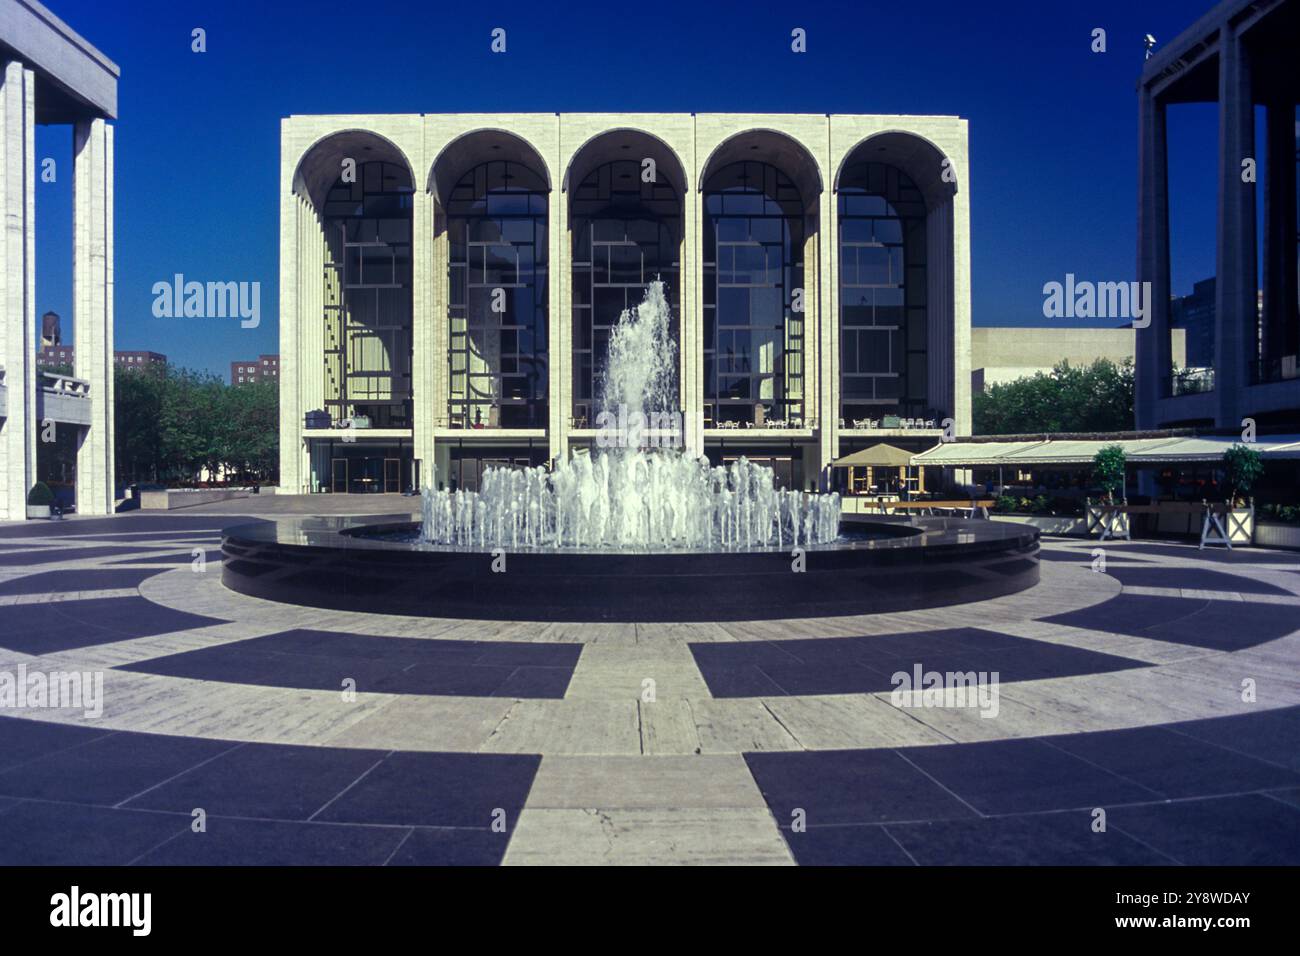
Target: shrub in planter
<point>1241,469</point>
<point>40,495</point>
<point>1108,470</point>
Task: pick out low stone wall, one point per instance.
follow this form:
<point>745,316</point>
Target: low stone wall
<point>172,499</point>
<point>1049,524</point>
<point>1277,535</point>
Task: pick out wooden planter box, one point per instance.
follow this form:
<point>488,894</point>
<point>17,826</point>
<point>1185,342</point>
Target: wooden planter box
<point>38,511</point>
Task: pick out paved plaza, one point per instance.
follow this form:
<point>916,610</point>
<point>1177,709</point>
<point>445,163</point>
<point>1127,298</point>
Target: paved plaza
<point>1144,714</point>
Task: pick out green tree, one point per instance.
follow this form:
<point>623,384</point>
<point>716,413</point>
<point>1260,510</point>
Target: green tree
<point>173,424</point>
<point>137,401</point>
<point>1242,467</point>
<point>1108,469</point>
<point>1093,398</point>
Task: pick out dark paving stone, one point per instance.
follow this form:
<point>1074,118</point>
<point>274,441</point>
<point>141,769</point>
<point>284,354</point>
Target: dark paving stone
<point>60,834</point>
<point>178,558</point>
<point>849,786</point>
<point>1250,830</point>
<point>1230,626</point>
<point>1216,625</point>
<point>847,845</point>
<point>866,665</point>
<point>1019,776</point>
<point>65,625</point>
<point>525,682</point>
<point>321,660</point>
<point>52,555</point>
<point>275,843</point>
<point>1286,796</point>
<point>438,789</point>
<point>107,770</point>
<point>123,524</point>
<point>1174,765</point>
<point>451,847</point>
<point>1217,555</point>
<point>172,538</point>
<point>1129,613</point>
<point>1271,735</point>
<point>746,680</point>
<point>1052,839</point>
<point>273,781</point>
<point>23,740</point>
<point>62,582</point>
<point>1200,579</point>
<point>1084,558</point>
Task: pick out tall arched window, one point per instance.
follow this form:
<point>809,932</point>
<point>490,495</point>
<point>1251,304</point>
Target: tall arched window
<point>753,262</point>
<point>882,294</point>
<point>496,227</point>
<point>367,297</point>
<point>626,233</point>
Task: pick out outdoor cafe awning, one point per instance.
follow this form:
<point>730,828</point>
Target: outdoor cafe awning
<point>1171,450</point>
<point>877,456</point>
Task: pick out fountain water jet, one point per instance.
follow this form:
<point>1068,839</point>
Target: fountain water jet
<point>625,496</point>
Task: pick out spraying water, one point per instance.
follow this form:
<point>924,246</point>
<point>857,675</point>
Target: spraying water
<point>626,495</point>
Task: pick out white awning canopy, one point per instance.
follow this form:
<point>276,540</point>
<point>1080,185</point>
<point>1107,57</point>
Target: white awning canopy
<point>1069,452</point>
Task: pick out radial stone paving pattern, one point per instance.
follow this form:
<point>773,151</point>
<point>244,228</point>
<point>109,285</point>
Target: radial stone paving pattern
<point>1164,692</point>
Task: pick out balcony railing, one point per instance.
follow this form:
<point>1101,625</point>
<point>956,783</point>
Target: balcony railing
<point>67,385</point>
<point>1189,381</point>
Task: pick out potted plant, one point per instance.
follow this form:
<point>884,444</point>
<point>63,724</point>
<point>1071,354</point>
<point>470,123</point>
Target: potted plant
<point>1242,467</point>
<point>1108,467</point>
<point>39,500</point>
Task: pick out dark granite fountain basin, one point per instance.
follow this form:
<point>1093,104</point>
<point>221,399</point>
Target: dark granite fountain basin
<point>877,565</point>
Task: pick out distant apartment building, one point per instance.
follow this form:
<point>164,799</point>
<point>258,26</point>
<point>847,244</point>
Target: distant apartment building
<point>265,368</point>
<point>54,353</point>
<point>54,356</point>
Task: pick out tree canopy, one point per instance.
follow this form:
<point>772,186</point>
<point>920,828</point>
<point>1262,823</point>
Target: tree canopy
<point>1091,398</point>
<point>175,425</point>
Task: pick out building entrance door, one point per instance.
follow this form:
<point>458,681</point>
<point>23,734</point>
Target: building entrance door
<point>392,476</point>
<point>339,476</point>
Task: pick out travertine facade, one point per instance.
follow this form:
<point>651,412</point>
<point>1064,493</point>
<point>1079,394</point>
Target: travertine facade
<point>51,75</point>
<point>566,152</point>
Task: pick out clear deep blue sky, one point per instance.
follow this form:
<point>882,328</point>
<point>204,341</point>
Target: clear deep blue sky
<point>1052,125</point>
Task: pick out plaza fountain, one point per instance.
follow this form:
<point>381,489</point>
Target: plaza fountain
<point>635,529</point>
<point>634,492</point>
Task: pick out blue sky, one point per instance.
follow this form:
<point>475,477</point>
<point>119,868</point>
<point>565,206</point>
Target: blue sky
<point>1052,125</point>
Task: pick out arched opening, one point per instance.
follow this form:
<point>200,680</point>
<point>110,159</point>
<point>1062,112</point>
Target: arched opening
<point>882,294</point>
<point>355,324</point>
<point>496,221</point>
<point>895,274</point>
<point>625,215</point>
<point>367,225</point>
<point>753,320</point>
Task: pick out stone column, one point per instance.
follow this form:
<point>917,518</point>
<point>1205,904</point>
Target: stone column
<point>92,293</point>
<point>559,309</point>
<point>1236,291</point>
<point>17,286</point>
<point>828,334</point>
<point>427,310</point>
<point>1281,319</point>
<point>1152,361</point>
<point>691,321</point>
<point>292,477</point>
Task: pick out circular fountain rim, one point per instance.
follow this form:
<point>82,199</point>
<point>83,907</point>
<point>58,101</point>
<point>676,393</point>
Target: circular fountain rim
<point>310,562</point>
